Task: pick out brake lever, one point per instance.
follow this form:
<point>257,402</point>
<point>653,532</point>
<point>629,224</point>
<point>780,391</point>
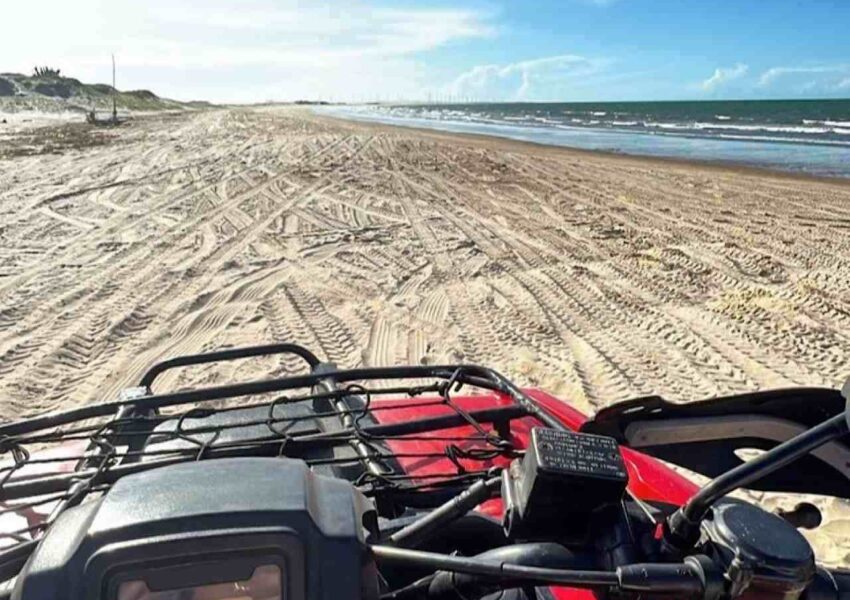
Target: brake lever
<point>804,515</point>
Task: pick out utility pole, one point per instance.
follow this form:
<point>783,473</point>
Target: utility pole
<point>114,105</point>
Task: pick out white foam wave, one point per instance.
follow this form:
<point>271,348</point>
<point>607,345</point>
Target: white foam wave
<point>545,120</point>
<point>828,123</point>
<point>666,125</point>
<point>772,138</point>
<point>766,128</point>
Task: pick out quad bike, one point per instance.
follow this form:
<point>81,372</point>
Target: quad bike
<point>418,482</point>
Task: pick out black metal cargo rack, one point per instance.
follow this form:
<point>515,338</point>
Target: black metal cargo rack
<point>327,420</point>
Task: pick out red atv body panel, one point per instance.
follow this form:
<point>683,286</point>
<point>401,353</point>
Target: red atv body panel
<point>649,479</point>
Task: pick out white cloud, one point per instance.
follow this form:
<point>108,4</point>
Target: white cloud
<point>545,78</point>
<point>228,51</point>
<point>723,75</point>
<point>772,75</point>
<point>812,80</point>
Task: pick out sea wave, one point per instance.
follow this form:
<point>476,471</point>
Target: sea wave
<point>764,127</point>
<point>759,127</point>
<point>785,140</point>
<point>720,127</point>
<point>651,124</point>
<point>827,122</point>
<point>546,120</point>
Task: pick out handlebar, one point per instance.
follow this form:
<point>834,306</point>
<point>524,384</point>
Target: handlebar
<point>697,577</point>
<point>681,529</point>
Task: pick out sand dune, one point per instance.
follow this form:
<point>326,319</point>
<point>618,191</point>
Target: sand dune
<point>598,277</point>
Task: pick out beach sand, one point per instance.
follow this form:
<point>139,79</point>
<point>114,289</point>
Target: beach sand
<point>598,277</point>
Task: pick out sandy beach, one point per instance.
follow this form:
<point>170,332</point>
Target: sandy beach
<point>598,277</point>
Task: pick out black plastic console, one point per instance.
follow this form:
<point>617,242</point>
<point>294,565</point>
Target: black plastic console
<point>207,522</point>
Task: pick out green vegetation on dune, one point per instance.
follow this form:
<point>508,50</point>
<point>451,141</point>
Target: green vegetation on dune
<point>49,91</point>
<point>7,88</point>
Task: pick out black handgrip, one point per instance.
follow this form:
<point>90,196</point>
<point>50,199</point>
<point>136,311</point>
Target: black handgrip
<point>697,577</point>
<point>829,584</point>
<point>232,354</point>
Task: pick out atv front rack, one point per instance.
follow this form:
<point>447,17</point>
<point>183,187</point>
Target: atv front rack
<point>133,434</point>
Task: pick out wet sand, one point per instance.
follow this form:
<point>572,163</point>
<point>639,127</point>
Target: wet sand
<point>599,277</point>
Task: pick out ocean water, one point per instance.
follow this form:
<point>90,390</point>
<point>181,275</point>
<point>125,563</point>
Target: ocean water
<point>811,136</point>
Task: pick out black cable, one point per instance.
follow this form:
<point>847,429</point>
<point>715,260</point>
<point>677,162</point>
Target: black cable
<point>420,529</point>
<point>416,589</point>
<point>472,566</point>
<point>13,558</point>
<point>697,577</point>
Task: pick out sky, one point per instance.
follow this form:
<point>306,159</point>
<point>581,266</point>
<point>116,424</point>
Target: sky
<point>367,50</point>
